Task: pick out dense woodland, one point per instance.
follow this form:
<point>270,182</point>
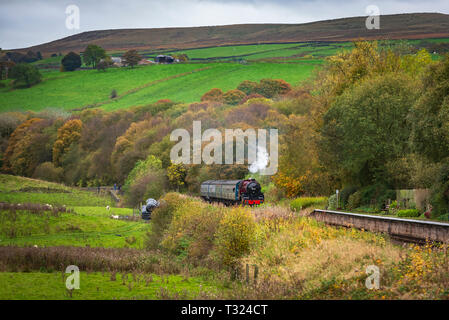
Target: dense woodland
<point>370,121</point>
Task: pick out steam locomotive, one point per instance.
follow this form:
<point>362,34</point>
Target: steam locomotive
<point>246,192</point>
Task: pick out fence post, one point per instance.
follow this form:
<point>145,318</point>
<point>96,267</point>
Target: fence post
<point>256,272</point>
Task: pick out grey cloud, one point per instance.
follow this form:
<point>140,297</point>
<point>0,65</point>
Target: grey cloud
<point>29,22</point>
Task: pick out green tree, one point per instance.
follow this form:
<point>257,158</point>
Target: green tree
<point>93,54</point>
<point>366,128</point>
<point>71,61</point>
<point>25,74</point>
<point>131,58</point>
<point>430,115</point>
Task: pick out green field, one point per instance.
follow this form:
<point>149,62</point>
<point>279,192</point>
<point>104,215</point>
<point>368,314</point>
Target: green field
<point>85,224</point>
<point>99,286</point>
<point>225,76</point>
<point>89,224</point>
<point>143,85</point>
<point>25,190</point>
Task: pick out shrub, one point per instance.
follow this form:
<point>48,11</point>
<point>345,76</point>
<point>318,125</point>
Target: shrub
<point>305,202</point>
<point>408,213</point>
<point>273,87</point>
<point>444,217</point>
<point>354,200</point>
<point>393,207</point>
<point>344,195</point>
<point>252,96</point>
<point>233,97</point>
<point>235,235</point>
<point>161,219</point>
<point>377,194</point>
<point>47,171</point>
<point>213,95</point>
<point>192,231</point>
<point>248,87</point>
<point>332,202</point>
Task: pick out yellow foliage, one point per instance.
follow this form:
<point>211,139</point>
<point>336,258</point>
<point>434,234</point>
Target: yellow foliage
<point>68,134</point>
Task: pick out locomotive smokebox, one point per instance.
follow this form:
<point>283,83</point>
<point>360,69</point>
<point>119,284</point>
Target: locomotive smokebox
<point>148,208</point>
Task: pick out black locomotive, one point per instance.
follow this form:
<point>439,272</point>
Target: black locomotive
<point>246,192</point>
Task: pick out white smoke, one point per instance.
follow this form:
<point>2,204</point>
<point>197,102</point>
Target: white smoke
<point>261,160</point>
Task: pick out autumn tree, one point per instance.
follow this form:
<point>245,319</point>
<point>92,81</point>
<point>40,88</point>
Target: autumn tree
<point>233,97</point>
<point>27,147</point>
<point>215,95</point>
<point>131,58</point>
<point>270,88</point>
<point>248,87</point>
<point>68,134</point>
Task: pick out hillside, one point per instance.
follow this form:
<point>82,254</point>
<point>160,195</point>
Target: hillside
<point>399,26</point>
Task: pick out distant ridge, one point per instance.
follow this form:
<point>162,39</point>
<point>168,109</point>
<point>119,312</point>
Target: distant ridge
<point>397,26</point>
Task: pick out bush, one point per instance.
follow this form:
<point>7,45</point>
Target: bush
<point>305,202</point>
<point>213,95</point>
<point>354,200</point>
<point>332,202</point>
<point>161,219</point>
<point>146,180</point>
<point>235,236</point>
<point>233,97</point>
<point>377,194</point>
<point>412,213</point>
<point>344,195</point>
<point>47,171</point>
<point>248,87</point>
<point>192,231</point>
<point>444,217</point>
<point>273,87</point>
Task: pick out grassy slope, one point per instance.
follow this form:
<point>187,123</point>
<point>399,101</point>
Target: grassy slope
<point>90,225</point>
<point>225,76</point>
<point>80,88</point>
<point>15,189</point>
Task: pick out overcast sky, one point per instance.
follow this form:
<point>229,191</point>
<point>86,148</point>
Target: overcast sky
<point>25,23</point>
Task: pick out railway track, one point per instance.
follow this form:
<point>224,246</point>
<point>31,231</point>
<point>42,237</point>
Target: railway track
<point>408,230</point>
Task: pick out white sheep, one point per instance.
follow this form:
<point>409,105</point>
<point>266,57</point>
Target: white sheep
<point>114,217</point>
<point>108,208</point>
<point>35,246</point>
